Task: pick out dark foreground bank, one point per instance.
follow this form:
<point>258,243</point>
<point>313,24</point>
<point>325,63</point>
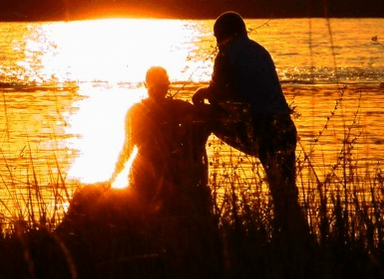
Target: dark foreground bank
<point>104,236</point>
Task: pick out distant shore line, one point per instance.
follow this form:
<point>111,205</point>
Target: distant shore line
<point>22,18</point>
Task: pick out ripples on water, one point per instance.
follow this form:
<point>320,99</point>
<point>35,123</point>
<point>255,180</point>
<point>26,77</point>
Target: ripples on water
<point>66,87</point>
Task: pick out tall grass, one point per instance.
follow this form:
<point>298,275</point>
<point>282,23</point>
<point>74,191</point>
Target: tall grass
<point>103,236</point>
<point>342,200</point>
<point>37,200</point>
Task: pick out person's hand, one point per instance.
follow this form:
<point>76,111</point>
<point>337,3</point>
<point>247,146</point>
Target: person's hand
<point>200,96</point>
<point>113,177</point>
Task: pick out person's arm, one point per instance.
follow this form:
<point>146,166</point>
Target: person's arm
<point>126,152</point>
<point>218,84</point>
<point>201,95</point>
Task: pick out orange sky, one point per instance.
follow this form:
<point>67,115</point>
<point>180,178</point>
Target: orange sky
<point>57,9</point>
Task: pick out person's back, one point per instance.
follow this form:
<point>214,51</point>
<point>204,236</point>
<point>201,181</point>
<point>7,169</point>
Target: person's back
<point>169,129</point>
<point>171,164</point>
<point>247,72</point>
<point>171,141</point>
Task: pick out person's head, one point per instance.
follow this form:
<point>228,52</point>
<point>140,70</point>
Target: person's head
<point>157,82</point>
<point>229,25</point>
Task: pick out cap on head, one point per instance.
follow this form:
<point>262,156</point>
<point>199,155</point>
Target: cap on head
<point>157,82</point>
<point>227,25</point>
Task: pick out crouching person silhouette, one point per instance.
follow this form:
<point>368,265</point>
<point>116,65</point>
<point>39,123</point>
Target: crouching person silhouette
<point>170,172</point>
<point>245,86</point>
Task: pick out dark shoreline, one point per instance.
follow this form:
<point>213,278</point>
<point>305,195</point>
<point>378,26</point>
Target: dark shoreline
<point>26,20</point>
<point>45,10</point>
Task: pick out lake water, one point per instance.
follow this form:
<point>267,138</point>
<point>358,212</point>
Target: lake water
<point>66,86</point>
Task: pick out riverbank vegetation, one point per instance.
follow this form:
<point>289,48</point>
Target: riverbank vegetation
<point>104,236</point>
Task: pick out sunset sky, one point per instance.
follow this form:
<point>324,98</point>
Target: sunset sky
<point>74,9</point>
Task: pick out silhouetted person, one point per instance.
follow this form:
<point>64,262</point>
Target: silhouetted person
<point>170,136</point>
<point>170,173</point>
<point>245,84</point>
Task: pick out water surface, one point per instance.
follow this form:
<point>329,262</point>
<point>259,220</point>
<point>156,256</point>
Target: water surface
<point>66,86</point>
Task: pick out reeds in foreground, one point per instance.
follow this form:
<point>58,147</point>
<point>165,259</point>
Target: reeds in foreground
<point>104,236</point>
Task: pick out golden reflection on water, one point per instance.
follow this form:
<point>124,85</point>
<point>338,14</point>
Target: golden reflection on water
<point>107,59</point>
<point>99,123</point>
<point>101,56</point>
<point>115,50</point>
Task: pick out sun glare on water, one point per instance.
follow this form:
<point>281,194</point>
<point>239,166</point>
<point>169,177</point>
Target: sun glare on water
<point>99,124</point>
<point>108,60</point>
<point>101,54</point>
<point>116,50</point>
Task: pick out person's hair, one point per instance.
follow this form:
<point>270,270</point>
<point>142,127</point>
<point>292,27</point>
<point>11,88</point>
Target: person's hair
<point>157,82</point>
<point>229,24</point>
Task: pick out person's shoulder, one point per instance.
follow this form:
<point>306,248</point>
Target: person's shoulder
<point>257,51</point>
<point>246,47</point>
<point>256,45</point>
<point>137,108</point>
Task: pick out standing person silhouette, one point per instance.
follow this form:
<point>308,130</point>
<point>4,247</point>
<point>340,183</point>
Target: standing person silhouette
<point>245,81</point>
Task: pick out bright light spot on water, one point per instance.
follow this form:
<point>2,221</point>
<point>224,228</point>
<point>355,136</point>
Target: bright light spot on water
<point>65,206</point>
<point>100,125</point>
<point>100,56</point>
<point>112,50</point>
